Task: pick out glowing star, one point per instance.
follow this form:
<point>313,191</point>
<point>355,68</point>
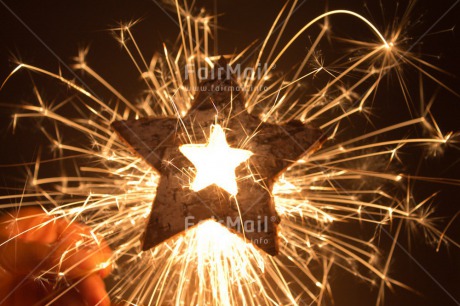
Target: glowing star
<point>215,162</point>
<point>173,146</point>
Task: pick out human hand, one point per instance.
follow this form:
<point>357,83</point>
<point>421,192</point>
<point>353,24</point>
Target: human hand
<point>48,260</point>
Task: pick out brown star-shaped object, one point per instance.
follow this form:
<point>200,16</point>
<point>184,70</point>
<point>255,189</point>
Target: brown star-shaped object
<point>251,212</point>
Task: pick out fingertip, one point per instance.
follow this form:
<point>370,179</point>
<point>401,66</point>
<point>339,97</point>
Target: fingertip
<point>98,258</point>
<point>105,268</point>
<point>106,263</point>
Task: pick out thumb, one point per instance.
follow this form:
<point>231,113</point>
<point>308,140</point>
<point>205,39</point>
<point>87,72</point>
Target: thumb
<point>19,257</point>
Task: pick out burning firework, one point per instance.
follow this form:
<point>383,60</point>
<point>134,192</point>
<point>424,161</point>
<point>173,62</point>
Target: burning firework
<point>350,179</point>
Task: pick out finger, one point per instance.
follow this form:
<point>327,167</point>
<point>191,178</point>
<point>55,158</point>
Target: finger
<point>76,250</point>
<point>39,228</point>
<point>80,252</point>
<point>22,258</point>
<point>92,290</point>
<point>29,224</point>
<point>83,262</point>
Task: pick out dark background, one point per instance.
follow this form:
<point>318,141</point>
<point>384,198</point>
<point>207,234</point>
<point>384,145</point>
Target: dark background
<point>65,25</point>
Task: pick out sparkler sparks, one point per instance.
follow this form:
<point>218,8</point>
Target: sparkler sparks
<point>348,180</point>
<point>159,141</point>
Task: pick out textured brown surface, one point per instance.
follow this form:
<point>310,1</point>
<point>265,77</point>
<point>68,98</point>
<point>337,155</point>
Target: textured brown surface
<point>275,147</point>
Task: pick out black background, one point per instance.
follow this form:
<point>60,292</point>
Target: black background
<point>65,25</point>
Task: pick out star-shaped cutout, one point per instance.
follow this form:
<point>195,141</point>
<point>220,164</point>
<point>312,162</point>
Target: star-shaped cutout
<point>215,161</point>
<point>250,211</point>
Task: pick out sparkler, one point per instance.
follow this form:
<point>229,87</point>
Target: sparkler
<point>112,189</point>
<point>164,144</point>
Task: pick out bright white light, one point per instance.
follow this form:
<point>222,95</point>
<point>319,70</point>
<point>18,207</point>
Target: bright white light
<point>215,161</point>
